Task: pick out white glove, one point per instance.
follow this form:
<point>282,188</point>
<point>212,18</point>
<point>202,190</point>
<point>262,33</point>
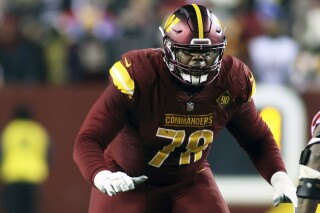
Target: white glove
<point>284,190</point>
<point>111,183</point>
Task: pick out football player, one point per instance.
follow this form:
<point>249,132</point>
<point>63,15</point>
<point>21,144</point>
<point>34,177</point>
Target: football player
<point>308,190</point>
<point>143,146</point>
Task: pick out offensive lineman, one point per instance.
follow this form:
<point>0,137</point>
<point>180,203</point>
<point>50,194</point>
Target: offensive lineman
<point>143,145</point>
<point>308,190</point>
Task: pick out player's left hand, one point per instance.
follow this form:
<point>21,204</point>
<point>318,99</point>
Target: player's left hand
<point>284,190</point>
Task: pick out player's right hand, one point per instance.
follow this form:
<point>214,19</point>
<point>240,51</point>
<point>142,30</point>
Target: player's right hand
<point>113,182</point>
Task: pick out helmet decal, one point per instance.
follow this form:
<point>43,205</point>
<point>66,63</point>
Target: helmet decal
<point>172,20</point>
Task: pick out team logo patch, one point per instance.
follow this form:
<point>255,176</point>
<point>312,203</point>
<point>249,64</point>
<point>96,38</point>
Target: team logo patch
<point>172,20</point>
<point>225,99</point>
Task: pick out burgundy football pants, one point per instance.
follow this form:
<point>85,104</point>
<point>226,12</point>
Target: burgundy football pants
<point>200,195</point>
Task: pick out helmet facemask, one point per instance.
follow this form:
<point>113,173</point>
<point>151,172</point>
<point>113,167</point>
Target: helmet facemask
<point>199,71</point>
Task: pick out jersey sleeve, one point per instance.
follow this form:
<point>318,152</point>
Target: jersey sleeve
<point>237,78</point>
<point>133,71</point>
<point>248,127</point>
<point>246,81</point>
<point>121,74</point>
<point>104,120</point>
<point>110,112</point>
<point>255,137</point>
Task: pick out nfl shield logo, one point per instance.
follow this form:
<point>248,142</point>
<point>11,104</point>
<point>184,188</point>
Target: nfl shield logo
<point>190,106</point>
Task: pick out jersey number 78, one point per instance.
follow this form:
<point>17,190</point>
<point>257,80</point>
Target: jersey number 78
<point>177,137</point>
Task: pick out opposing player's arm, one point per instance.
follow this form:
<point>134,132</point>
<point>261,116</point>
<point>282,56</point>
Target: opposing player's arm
<point>308,190</point>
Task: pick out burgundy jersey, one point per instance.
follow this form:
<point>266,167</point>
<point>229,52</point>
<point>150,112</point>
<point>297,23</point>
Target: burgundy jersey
<point>146,124</point>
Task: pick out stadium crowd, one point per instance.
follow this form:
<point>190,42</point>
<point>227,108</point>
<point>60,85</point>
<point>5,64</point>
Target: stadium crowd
<point>76,41</point>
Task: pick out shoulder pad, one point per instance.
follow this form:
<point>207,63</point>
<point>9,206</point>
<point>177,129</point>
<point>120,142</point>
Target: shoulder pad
<point>135,67</point>
<point>121,78</point>
<point>238,79</point>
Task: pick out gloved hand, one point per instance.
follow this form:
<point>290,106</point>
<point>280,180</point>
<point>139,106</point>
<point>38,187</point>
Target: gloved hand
<point>111,183</point>
<point>284,190</point>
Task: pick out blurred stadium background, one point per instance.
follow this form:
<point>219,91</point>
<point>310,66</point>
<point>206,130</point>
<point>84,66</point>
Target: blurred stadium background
<point>55,56</point>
